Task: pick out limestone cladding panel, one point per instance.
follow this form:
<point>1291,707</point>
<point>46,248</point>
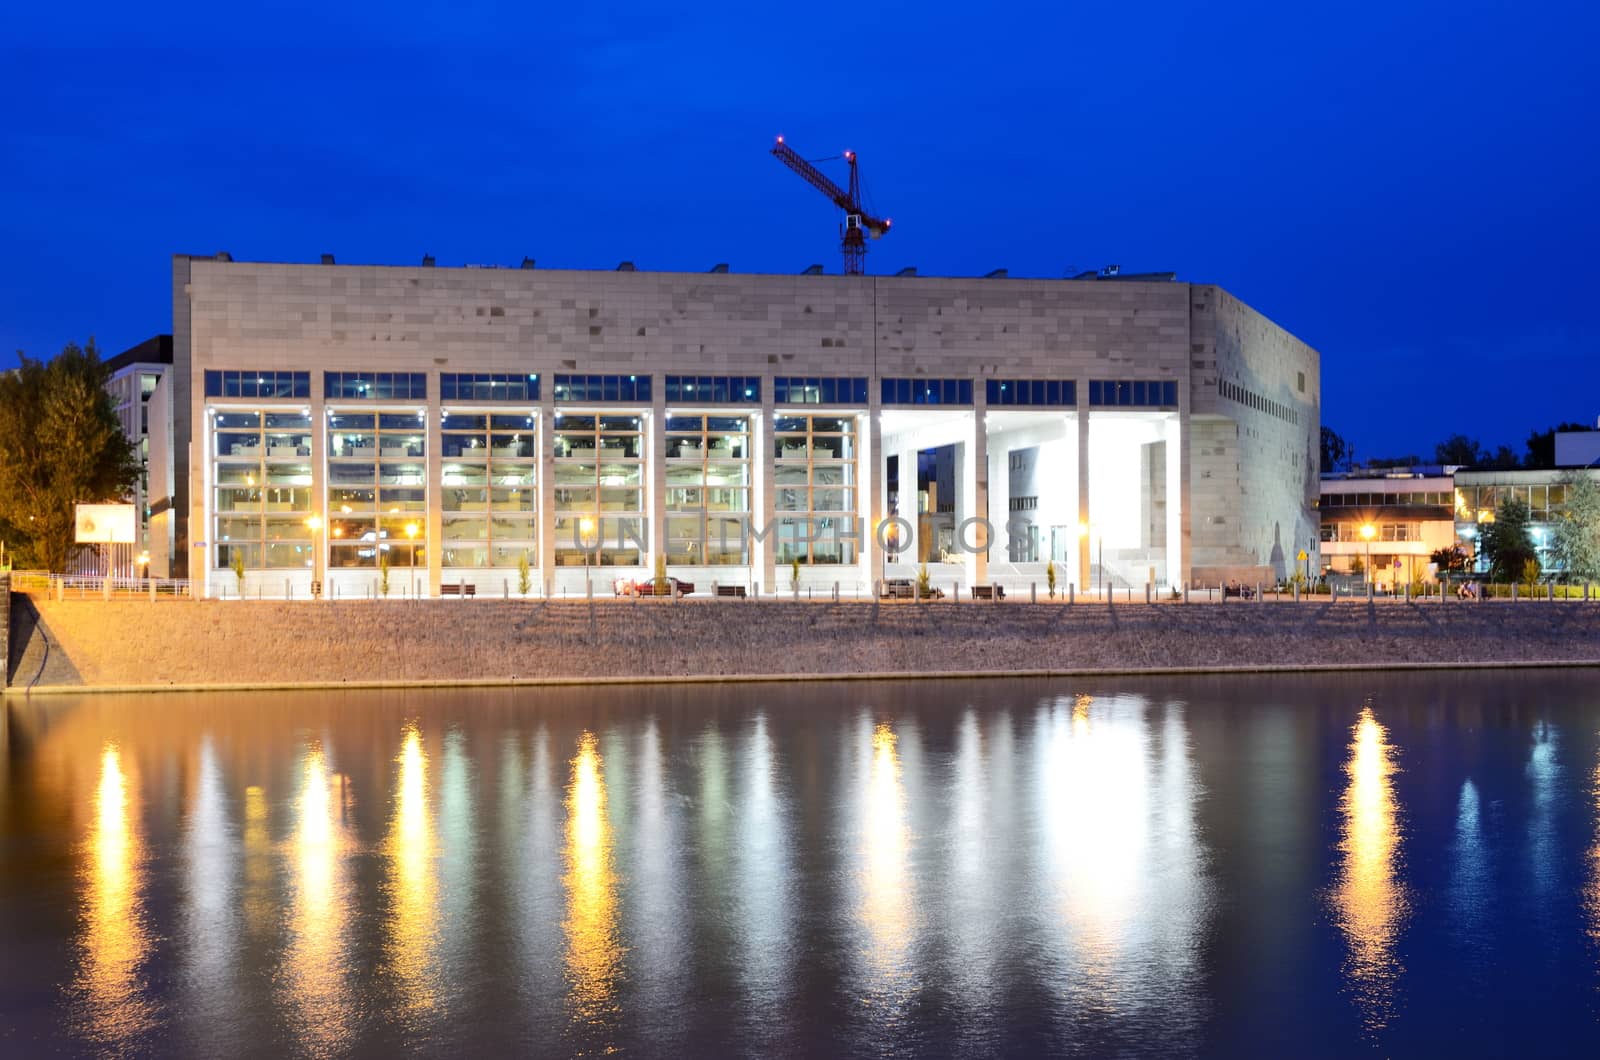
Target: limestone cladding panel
<point>332,316</point>
<point>1269,460</point>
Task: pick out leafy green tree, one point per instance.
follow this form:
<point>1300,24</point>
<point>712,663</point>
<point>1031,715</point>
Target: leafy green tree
<point>1576,541</point>
<point>1337,454</point>
<point>60,445</point>
<point>1459,449</point>
<point>1451,558</point>
<point>1530,572</point>
<point>1507,545</point>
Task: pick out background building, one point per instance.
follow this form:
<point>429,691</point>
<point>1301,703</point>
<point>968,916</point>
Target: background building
<point>140,386</point>
<point>336,418</point>
<point>1411,514</point>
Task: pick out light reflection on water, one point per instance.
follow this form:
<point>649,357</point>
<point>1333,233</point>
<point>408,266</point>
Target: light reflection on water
<point>1370,898</point>
<point>413,950</point>
<point>594,950</point>
<point>747,871</point>
<point>116,938</point>
<point>316,969</point>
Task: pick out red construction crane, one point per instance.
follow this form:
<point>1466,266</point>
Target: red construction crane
<point>856,219</point>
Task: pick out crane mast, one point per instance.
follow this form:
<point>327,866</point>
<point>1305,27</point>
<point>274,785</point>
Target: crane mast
<point>857,224</point>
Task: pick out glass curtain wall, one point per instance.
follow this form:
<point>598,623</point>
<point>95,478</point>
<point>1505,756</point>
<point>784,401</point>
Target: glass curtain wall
<point>599,490</point>
<point>377,489</point>
<point>814,476</point>
<point>489,488</point>
<point>261,488</point>
<point>708,490</point>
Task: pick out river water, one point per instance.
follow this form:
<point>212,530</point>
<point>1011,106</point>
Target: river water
<point>1316,865</point>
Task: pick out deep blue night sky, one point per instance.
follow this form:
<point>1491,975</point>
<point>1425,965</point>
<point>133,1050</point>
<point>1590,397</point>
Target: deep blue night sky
<point>1411,188</point>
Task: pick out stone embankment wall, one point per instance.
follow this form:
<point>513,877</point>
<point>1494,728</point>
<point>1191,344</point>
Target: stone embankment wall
<point>208,643</point>
<point>5,628</point>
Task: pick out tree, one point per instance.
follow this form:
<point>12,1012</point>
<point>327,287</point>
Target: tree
<point>1337,454</point>
<point>1503,457</point>
<point>1449,559</point>
<point>1458,449</point>
<point>1506,542</point>
<point>1575,545</point>
<point>1050,577</point>
<point>60,445</point>
<point>524,575</point>
<point>1542,444</point>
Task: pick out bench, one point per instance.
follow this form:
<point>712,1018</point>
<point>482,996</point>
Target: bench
<point>731,590</point>
<point>988,592</point>
<point>458,589</point>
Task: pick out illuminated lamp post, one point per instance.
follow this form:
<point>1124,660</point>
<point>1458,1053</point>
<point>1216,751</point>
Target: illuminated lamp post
<point>585,528</point>
<point>314,524</point>
<point>1100,556</point>
<point>1368,532</point>
<point>411,533</point>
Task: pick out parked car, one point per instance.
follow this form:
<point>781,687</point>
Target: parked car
<point>906,589</point>
<point>647,587</point>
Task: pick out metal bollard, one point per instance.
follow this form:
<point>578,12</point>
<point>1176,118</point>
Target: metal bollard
<point>1513,592</point>
<point>1072,592</point>
<point>1149,591</point>
<point>835,592</point>
<point>1260,599</point>
<point>955,592</point>
<point>1552,587</point>
<point>1185,592</point>
<point>1033,592</point>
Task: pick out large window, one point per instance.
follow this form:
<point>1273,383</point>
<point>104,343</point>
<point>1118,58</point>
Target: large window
<point>489,488</point>
<point>1031,392</point>
<point>599,490</point>
<point>488,386</point>
<point>714,389</point>
<point>819,390</point>
<point>375,386</point>
<point>377,488</point>
<point>927,391</point>
<point>261,482</point>
<point>256,384</point>
<point>708,489</point>
<point>815,482</point>
<point>588,388</point>
<point>1132,393</point>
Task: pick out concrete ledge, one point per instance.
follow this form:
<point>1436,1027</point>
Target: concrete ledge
<point>730,679</point>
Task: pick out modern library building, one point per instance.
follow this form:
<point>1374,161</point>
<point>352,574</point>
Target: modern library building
<point>339,427</point>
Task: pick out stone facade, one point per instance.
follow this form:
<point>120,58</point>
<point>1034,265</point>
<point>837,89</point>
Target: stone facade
<point>1245,477</point>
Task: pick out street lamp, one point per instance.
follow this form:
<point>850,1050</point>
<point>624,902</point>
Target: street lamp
<point>1368,532</point>
<point>314,523</point>
<point>585,528</point>
<point>144,563</point>
<point>411,532</point>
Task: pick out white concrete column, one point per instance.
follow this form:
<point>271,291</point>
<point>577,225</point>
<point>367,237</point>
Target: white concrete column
<point>433,446</point>
<point>909,508</point>
<point>872,465</point>
<point>1085,517</point>
<point>1180,496</point>
<point>546,485</point>
<point>655,471</point>
<point>764,562</point>
<point>975,493</point>
<point>319,482</point>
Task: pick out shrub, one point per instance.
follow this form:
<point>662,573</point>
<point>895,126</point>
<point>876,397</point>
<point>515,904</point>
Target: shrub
<point>924,583</point>
<point>1050,577</point>
<point>237,563</point>
<point>524,576</point>
<point>661,575</point>
<point>383,571</point>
